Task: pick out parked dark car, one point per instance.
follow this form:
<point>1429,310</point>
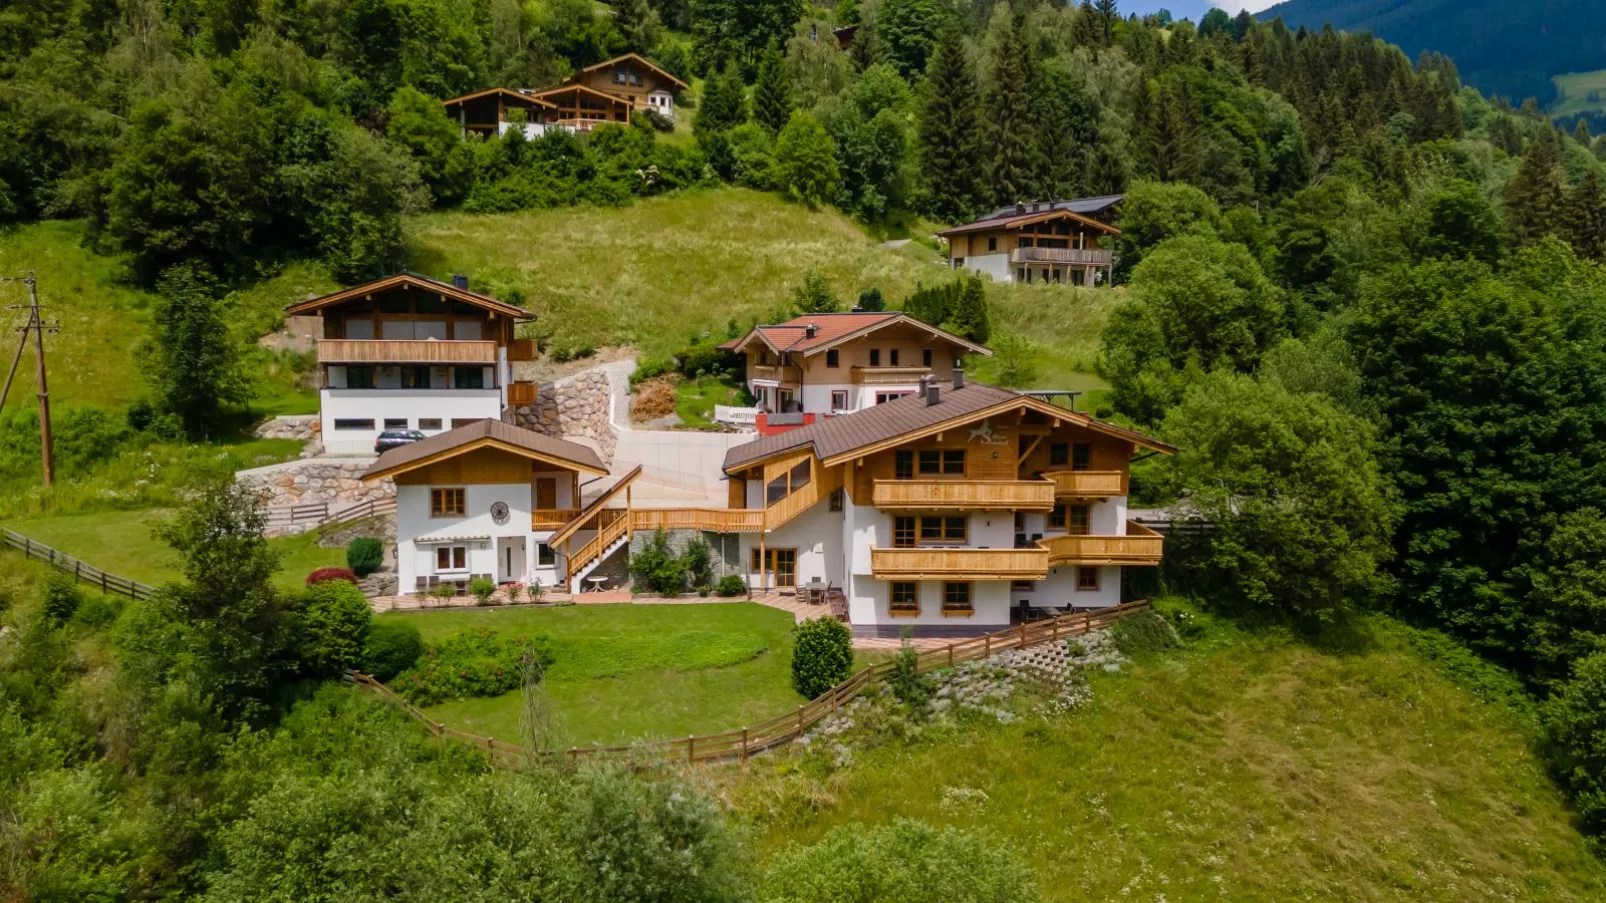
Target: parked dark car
<point>390,439</point>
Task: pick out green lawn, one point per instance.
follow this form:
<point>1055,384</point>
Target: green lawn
<point>120,542</point>
<point>629,672</point>
<point>1260,770</point>
<point>695,399</point>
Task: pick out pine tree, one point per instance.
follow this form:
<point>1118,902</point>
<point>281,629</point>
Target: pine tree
<point>950,131</point>
<point>1108,16</point>
<point>1242,25</point>
<point>969,317</point>
<point>772,93</point>
<point>1087,29</point>
<point>1581,132</point>
<point>1584,217</point>
<point>196,361</point>
<point>1503,135</point>
<point>814,296</point>
<point>1172,150</point>
<point>1010,136</point>
<point>1107,171</point>
<point>639,23</point>
<point>1534,195</point>
<point>724,103</point>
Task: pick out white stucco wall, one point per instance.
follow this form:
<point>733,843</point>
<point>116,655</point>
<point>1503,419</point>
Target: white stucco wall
<point>418,535</point>
<point>817,536</point>
<point>994,265</point>
<point>411,405</point>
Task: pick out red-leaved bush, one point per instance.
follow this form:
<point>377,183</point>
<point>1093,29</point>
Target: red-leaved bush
<point>324,575</point>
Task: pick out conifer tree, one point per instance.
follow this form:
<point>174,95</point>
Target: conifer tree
<point>1503,135</point>
<point>1087,30</point>
<point>724,103</point>
<point>1584,217</point>
<point>1534,195</point>
<point>1581,132</point>
<point>1009,134</point>
<point>772,93</point>
<point>969,317</point>
<point>639,23</point>
<point>950,131</point>
<point>1171,147</point>
<point>1108,16</point>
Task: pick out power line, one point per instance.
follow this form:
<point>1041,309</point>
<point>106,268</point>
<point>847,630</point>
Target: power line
<point>37,326</point>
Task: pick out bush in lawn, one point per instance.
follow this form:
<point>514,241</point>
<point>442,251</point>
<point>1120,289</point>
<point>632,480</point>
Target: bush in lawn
<point>331,627</point>
<point>822,656</point>
<point>731,585</point>
<point>482,589</point>
<point>657,569</point>
<point>61,598</point>
<point>1143,634</point>
<point>898,863</point>
<point>699,562</point>
<point>393,647</point>
<point>364,555</point>
<point>911,688</point>
<point>534,591</point>
<point>324,575</point>
<point>479,662</point>
<point>97,611</point>
<point>443,591</point>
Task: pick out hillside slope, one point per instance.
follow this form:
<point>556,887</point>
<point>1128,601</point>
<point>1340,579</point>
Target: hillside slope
<point>1501,47</point>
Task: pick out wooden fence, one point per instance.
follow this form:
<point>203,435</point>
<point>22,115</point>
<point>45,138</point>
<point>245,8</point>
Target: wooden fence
<point>739,744</point>
<point>83,573</point>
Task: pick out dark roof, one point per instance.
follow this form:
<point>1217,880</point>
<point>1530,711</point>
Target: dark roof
<point>517,95</point>
<point>1082,209</point>
<point>847,433</point>
<point>398,280</point>
<point>481,433</point>
<point>835,327</point>
<point>638,58</point>
<point>1084,206</point>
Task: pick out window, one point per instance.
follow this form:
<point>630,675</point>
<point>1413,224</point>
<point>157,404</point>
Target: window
<point>429,423</point>
<point>956,598</point>
<point>1059,454</point>
<point>468,377</point>
<point>1022,586</point>
<point>942,529</point>
<point>959,262</point>
<point>875,357</point>
<point>992,242</point>
<point>1020,274</point>
<point>903,464</point>
<point>395,423</point>
<point>832,359</point>
<point>836,499</point>
<point>1081,456</point>
<point>451,558</point>
<point>780,562</point>
<point>925,358</point>
<point>415,377</point>
<point>1057,518</point>
<point>884,397</point>
<point>905,599</point>
<point>1087,578</point>
<point>903,532</point>
<point>950,462</point>
<point>892,358</point>
<point>447,503</point>
<point>839,400</point>
<point>1076,522</point>
<point>359,377</point>
<point>353,424</point>
<point>544,556</point>
<point>1056,274</point>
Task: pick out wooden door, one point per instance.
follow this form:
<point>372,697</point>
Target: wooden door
<point>785,567</point>
<point>546,493</point>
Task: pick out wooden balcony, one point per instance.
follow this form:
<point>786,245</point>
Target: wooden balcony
<point>551,518</point>
<point>888,376</point>
<point>776,372</point>
<point>1091,257</point>
<point>523,350</point>
<point>1140,546</point>
<point>405,351</point>
<point>959,564</point>
<point>1087,484</point>
<point>963,495</point>
<point>522,394</point>
<point>715,520</point>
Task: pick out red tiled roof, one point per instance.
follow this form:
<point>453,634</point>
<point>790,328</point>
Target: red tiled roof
<point>792,336</point>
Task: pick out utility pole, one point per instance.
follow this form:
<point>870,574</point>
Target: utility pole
<point>36,325</point>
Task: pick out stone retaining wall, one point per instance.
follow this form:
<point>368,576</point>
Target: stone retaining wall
<point>303,427</point>
<point>573,407</point>
<point>336,482</point>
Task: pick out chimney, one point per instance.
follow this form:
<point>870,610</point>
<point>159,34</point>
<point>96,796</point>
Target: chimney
<point>811,330</point>
<point>460,280</point>
<point>1020,209</point>
<point>959,378</point>
<point>933,394</point>
<point>925,385</point>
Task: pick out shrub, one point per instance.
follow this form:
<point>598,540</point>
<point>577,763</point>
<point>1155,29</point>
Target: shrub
<point>364,555</point>
<point>482,588</point>
<point>443,591</point>
<point>331,627</point>
<point>657,569</point>
<point>1143,634</point>
<point>699,562</point>
<point>476,662</point>
<point>651,368</point>
<point>324,575</point>
<point>1575,728</point>
<point>911,688</point>
<point>97,611</point>
<point>731,585</point>
<point>822,656</point>
<point>535,591</point>
<point>393,647</point>
<point>898,863</point>
<point>61,598</point>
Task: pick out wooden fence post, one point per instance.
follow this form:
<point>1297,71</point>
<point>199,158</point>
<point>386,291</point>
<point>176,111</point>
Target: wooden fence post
<point>744,744</point>
<point>800,721</point>
<point>1023,634</point>
<point>691,748</point>
<point>987,645</point>
<point>950,655</point>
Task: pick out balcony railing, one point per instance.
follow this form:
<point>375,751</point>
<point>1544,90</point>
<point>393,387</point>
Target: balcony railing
<point>551,518</point>
<point>1067,256</point>
<point>714,520</point>
<point>405,351</point>
<point>1140,546</point>
<point>777,372</point>
<point>959,564</point>
<point>888,376</point>
<point>1084,484</point>
<point>963,495</point>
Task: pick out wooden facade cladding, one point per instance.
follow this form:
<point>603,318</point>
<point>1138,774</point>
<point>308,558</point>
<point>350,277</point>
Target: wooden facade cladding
<point>1087,484</point>
<point>1141,546</point>
<point>963,495</point>
<point>885,376</point>
<point>822,482</point>
<point>1066,256</point>
<point>551,519</point>
<point>959,564</point>
<point>523,350</point>
<point>715,520</point>
<point>780,373</point>
<point>522,394</point>
<point>405,351</point>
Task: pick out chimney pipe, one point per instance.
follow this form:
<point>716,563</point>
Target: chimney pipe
<point>925,383</point>
<point>811,330</point>
<point>933,395</point>
<point>460,280</point>
<point>959,377</point>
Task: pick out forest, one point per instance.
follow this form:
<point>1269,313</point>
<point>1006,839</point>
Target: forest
<point>1364,300</point>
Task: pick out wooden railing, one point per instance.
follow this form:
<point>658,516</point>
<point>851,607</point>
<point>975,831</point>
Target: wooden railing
<point>83,573</point>
<point>522,394</point>
<point>1087,483</point>
<point>523,350</point>
<point>715,520</point>
<point>1141,546</point>
<point>963,495</point>
<point>1072,256</point>
<point>959,564</point>
<point>405,351</point>
<point>783,728</point>
<point>551,518</point>
<point>786,374</point>
<point>888,376</point>
<point>611,524</point>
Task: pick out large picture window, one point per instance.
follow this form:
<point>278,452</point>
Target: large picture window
<point>448,502</point>
<point>468,377</point>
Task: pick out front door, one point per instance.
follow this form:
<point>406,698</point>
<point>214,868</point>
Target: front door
<point>511,561</point>
<point>546,493</point>
<point>785,567</point>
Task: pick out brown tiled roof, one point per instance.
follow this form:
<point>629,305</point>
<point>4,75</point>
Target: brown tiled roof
<point>1076,210</point>
<point>638,58</point>
<point>792,336</point>
<point>843,435</point>
<point>482,433</point>
<point>414,280</point>
<point>512,94</point>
